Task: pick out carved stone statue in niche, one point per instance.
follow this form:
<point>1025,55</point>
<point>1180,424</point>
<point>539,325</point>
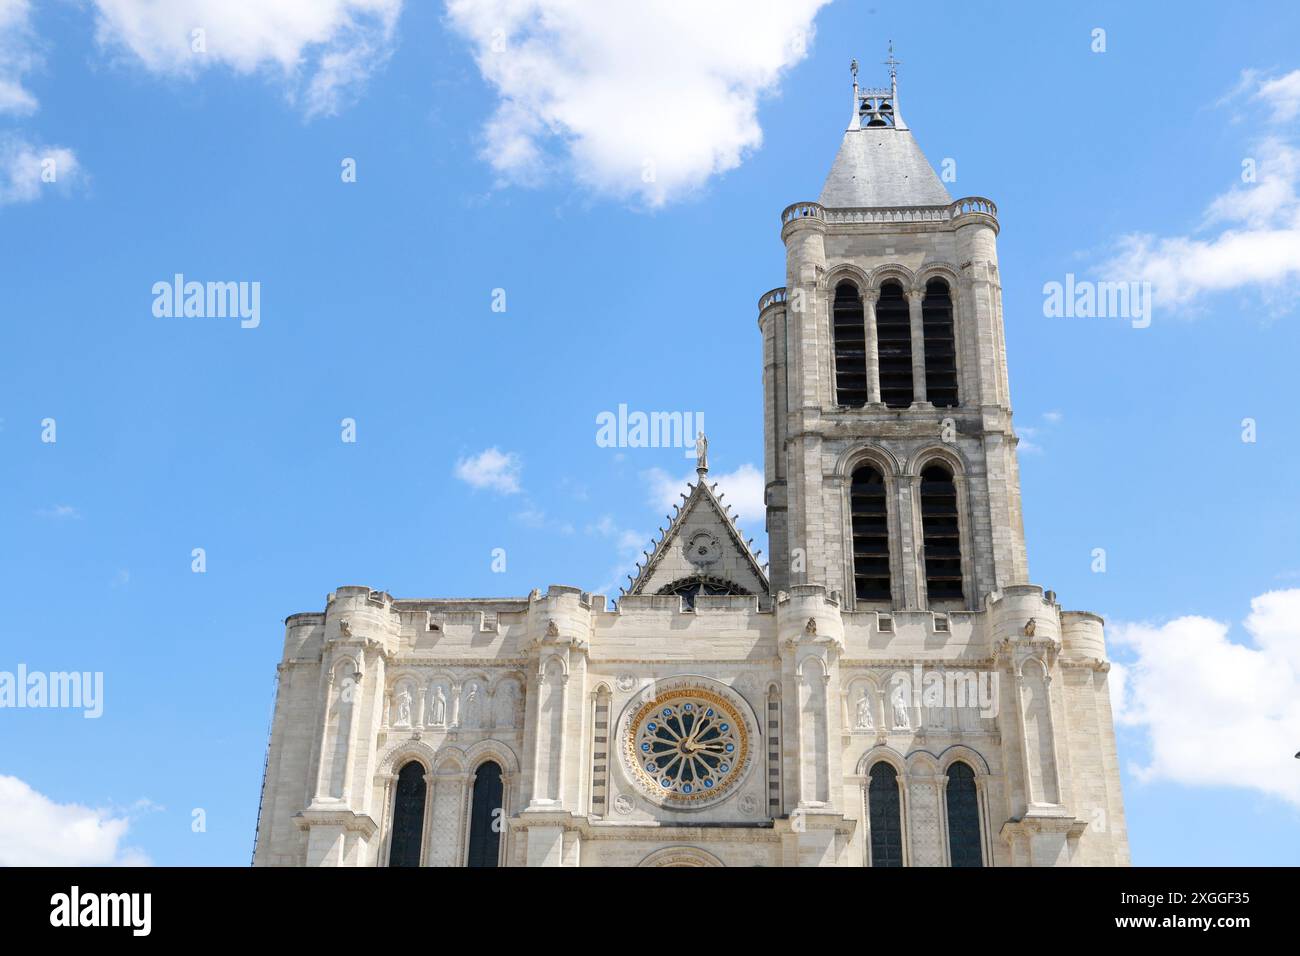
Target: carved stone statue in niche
<point>864,710</point>
<point>439,708</point>
<point>470,713</point>
<point>506,698</point>
<point>899,701</point>
<point>403,708</point>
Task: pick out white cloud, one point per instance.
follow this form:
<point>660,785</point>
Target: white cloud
<point>17,57</point>
<point>325,49</point>
<point>1030,435</point>
<point>1215,712</point>
<point>639,99</point>
<point>36,831</point>
<point>60,511</point>
<point>492,469</point>
<point>1283,95</point>
<point>625,539</point>
<point>743,489</point>
<point>628,543</point>
<point>1249,236</point>
<point>28,169</point>
<point>537,519</point>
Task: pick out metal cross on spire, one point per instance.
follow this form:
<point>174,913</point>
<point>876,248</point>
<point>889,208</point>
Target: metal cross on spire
<point>891,62</point>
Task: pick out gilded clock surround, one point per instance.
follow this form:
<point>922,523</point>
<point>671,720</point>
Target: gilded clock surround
<point>688,745</point>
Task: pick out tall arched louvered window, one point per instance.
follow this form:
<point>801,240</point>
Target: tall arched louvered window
<point>963,817</point>
<point>870,520</point>
<point>408,816</point>
<point>940,345</point>
<point>886,816</point>
<point>942,535</point>
<point>894,345</point>
<point>850,347</point>
<point>486,816</point>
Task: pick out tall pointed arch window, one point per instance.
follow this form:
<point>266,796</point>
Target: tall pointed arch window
<point>870,520</point>
<point>885,815</point>
<point>940,345</point>
<point>942,534</point>
<point>850,347</point>
<point>486,816</point>
<point>963,817</point>
<point>408,816</point>
<point>894,345</point>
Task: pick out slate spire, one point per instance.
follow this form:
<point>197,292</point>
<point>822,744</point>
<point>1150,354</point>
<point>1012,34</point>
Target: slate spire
<point>879,162</point>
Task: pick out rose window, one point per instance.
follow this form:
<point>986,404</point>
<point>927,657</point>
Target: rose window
<point>686,746</point>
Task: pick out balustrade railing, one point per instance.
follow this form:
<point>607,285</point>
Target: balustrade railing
<point>971,205</point>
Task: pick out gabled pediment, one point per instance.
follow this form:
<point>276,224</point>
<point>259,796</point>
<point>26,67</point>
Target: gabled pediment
<point>701,546</point>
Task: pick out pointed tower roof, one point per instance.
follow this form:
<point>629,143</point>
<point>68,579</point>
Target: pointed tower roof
<point>879,162</point>
<point>701,544</point>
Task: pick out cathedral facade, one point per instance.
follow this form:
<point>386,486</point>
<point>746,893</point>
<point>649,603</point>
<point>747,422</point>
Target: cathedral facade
<point>890,691</point>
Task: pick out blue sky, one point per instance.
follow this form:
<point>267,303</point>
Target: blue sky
<point>521,170</point>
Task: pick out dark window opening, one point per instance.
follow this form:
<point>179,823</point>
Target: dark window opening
<point>870,521</point>
<point>894,345</point>
<point>850,347</point>
<point>963,817</point>
<point>941,532</point>
<point>486,817</point>
<point>690,588</point>
<point>408,816</point>
<point>886,820</point>
<point>940,345</point>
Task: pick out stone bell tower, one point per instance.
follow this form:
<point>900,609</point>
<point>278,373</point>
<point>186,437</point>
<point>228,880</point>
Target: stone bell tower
<point>891,473</point>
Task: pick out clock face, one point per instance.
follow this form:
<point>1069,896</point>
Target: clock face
<point>687,747</point>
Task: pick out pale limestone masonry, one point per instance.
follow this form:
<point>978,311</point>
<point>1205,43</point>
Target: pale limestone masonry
<point>790,686</point>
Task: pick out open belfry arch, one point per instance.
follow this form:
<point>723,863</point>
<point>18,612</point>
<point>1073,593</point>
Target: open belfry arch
<point>888,690</point>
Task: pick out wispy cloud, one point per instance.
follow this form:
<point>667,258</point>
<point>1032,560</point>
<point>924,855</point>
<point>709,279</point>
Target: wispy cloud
<point>18,57</point>
<point>492,469</point>
<point>1031,435</point>
<point>743,489</point>
<point>28,169</point>
<point>628,545</point>
<point>632,99</point>
<point>1249,235</point>
<point>60,512</point>
<point>1282,94</point>
<point>537,519</point>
